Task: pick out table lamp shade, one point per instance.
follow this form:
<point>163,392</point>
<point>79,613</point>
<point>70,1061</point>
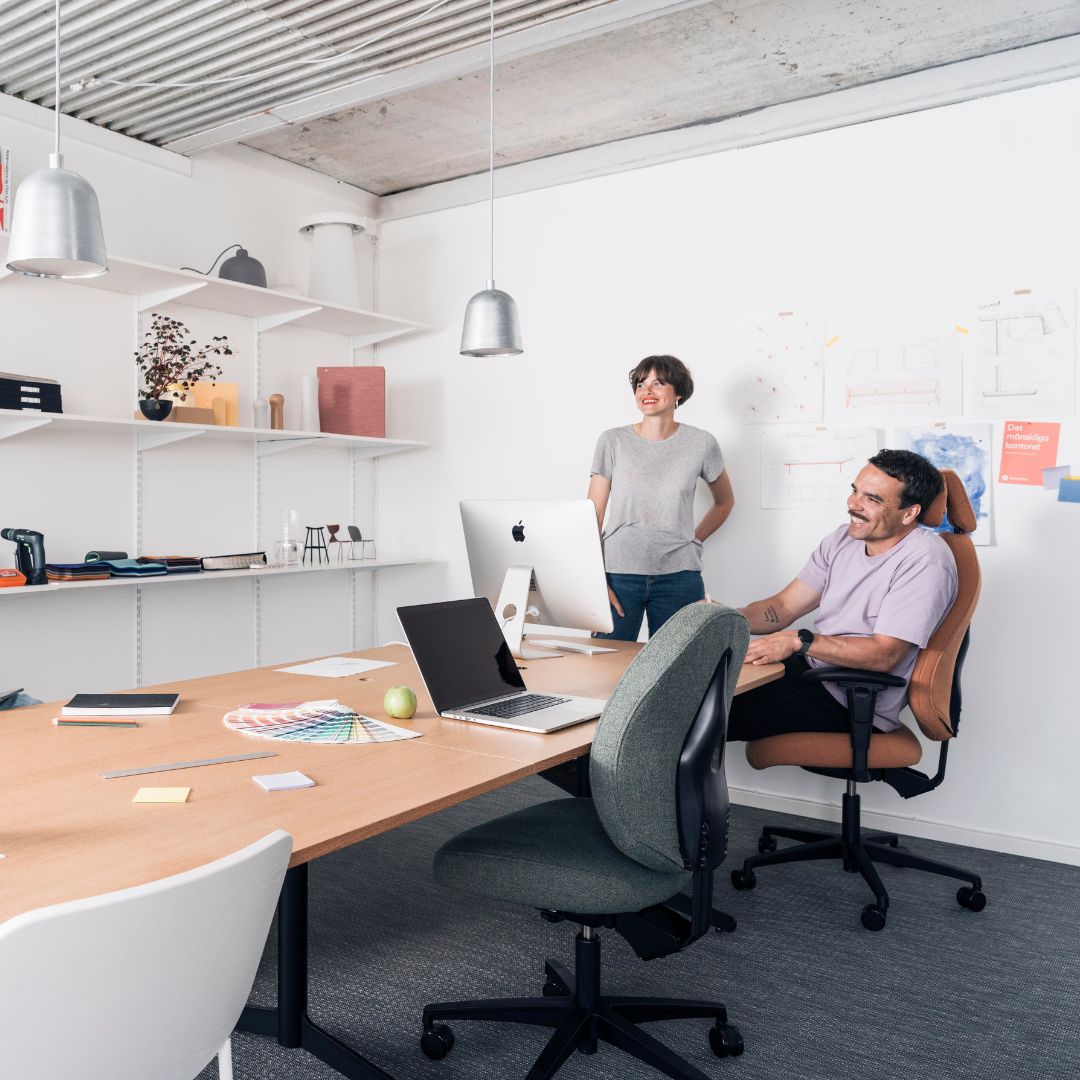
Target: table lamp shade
<point>56,226</point>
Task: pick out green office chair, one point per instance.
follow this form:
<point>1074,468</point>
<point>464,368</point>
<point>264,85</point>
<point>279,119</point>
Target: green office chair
<point>655,825</point>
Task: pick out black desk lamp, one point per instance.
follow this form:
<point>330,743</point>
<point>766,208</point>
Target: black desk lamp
<point>239,267</point>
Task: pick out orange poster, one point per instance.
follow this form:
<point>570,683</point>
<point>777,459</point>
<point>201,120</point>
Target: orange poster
<point>1027,449</point>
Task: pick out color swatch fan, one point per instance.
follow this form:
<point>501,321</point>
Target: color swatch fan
<point>314,722</point>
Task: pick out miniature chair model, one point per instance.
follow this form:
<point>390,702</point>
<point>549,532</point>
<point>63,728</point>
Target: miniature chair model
<point>315,542</point>
<point>333,530</point>
<point>864,755</point>
<point>655,825</point>
<point>144,982</point>
<point>356,538</point>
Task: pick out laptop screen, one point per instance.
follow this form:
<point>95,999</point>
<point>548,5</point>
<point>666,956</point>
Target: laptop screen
<point>461,652</point>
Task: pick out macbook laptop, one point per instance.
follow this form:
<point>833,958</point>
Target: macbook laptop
<point>471,674</point>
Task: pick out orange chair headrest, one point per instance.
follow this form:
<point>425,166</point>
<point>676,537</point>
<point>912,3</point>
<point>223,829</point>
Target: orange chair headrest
<point>958,505</point>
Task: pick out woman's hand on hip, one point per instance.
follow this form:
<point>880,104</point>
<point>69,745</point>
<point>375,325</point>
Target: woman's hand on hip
<point>615,602</point>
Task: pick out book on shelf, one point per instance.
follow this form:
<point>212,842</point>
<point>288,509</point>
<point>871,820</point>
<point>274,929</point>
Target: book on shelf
<point>121,705</point>
<point>244,561</point>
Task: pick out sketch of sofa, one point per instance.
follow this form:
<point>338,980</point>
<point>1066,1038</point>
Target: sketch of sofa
<point>908,392</point>
<point>894,357</point>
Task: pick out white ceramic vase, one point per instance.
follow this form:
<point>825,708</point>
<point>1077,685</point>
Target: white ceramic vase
<point>309,404</point>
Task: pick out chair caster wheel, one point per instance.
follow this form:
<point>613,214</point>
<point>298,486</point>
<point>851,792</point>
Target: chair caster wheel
<point>552,989</point>
<point>970,898</point>
<point>725,1040</point>
<point>437,1043</point>
<point>743,879</point>
<point>873,917</point>
<point>766,845</point>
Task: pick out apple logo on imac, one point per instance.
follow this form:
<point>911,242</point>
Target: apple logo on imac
<point>518,533</point>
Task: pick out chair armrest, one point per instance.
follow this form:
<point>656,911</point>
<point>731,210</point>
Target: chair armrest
<point>861,688</point>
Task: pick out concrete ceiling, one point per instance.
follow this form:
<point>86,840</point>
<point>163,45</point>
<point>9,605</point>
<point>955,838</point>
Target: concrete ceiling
<point>703,63</point>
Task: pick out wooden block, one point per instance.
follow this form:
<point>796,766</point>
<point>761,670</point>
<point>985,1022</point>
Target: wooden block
<point>185,414</point>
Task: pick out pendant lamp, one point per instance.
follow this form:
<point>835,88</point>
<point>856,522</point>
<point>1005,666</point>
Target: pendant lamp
<point>491,319</point>
<point>56,223</point>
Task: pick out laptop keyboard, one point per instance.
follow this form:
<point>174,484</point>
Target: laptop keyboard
<point>518,706</point>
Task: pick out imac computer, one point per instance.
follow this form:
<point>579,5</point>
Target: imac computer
<point>539,558</point>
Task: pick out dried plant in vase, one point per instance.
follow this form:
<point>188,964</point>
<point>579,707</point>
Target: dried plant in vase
<point>171,361</point>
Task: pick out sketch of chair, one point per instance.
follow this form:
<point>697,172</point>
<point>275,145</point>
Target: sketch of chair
<point>355,538</point>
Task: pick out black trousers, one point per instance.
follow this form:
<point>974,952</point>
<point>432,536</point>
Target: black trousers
<point>786,705</point>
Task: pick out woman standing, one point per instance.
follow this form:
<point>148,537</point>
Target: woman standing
<point>643,477</point>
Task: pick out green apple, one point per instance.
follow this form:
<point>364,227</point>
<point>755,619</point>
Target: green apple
<point>400,702</point>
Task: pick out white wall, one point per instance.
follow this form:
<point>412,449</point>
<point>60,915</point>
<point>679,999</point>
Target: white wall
<point>889,222</point>
<point>198,498</point>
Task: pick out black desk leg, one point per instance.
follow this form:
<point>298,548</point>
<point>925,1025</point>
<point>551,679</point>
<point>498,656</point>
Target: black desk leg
<point>289,1023</point>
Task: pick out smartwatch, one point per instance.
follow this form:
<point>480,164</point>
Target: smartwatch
<point>806,639</point>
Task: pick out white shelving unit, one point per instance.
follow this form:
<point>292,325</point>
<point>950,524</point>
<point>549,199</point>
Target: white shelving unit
<point>151,434</point>
<point>152,287</point>
<point>208,575</point>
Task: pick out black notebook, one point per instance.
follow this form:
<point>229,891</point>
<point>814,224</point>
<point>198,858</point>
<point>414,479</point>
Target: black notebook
<point>121,705</point>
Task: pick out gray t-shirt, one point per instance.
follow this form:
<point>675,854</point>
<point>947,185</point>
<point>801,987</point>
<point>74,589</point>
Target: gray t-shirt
<point>904,593</point>
<point>649,527</point>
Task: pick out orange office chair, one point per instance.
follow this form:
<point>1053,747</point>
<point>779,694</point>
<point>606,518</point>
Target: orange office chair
<point>864,755</point>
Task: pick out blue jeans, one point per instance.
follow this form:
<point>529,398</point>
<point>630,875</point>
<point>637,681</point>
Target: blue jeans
<point>655,597</point>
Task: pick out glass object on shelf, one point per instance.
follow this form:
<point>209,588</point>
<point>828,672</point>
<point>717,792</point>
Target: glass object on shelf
<point>288,547</point>
<point>260,413</point>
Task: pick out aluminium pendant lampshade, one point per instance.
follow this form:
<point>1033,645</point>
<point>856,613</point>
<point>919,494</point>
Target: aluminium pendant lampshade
<point>56,226</point>
<point>56,221</point>
<point>491,325</point>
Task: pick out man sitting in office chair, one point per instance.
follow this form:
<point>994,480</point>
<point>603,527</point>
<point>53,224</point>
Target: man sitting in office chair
<point>881,585</point>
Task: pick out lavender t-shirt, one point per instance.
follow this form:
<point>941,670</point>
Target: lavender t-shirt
<point>903,593</point>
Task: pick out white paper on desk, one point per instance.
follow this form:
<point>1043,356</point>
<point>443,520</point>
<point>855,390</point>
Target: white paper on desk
<point>335,667</point>
<point>283,781</point>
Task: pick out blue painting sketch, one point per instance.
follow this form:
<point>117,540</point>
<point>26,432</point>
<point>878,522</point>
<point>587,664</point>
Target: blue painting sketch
<point>962,454</point>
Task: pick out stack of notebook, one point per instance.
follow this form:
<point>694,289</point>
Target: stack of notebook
<point>76,571</point>
<point>131,567</point>
<point>174,564</point>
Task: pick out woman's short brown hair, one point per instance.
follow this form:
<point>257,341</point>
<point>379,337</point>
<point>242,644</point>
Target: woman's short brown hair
<point>669,368</point>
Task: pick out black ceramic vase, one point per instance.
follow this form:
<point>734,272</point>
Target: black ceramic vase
<point>155,409</point>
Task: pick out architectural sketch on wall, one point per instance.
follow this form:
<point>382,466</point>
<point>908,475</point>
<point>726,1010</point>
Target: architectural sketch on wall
<point>812,468</point>
<point>964,448</point>
<point>781,362</point>
<point>1020,357</point>
<point>881,378</point>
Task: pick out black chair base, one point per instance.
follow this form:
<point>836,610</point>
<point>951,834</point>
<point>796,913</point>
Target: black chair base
<point>858,852</point>
<point>582,1018</point>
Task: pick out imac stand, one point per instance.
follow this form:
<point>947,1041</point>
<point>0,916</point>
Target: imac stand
<point>511,609</point>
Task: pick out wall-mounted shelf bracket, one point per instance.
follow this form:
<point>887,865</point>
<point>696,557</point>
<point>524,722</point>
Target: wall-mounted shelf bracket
<point>162,434</point>
<point>147,300</point>
<point>278,445</point>
<point>10,425</point>
<point>268,322</point>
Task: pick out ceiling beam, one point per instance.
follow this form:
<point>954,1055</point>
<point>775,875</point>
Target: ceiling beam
<point>1015,69</point>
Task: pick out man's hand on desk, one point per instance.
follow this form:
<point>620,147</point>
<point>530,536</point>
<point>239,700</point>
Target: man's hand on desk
<point>773,648</point>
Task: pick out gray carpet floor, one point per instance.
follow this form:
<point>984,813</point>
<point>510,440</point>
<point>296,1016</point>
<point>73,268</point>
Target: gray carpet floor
<point>940,993</point>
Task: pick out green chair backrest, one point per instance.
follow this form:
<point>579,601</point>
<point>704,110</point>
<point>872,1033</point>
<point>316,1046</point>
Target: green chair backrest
<point>640,737</point>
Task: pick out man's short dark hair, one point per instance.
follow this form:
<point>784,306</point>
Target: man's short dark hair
<point>922,482</point>
<point>669,368</point>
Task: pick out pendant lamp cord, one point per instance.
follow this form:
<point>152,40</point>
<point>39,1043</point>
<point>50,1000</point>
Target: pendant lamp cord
<point>491,129</point>
<point>56,66</point>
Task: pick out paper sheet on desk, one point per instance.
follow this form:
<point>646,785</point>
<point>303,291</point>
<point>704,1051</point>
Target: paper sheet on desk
<point>336,667</point>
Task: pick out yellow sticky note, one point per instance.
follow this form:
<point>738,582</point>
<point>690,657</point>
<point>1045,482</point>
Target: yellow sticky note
<point>832,341</point>
<point>162,794</point>
<point>961,329</point>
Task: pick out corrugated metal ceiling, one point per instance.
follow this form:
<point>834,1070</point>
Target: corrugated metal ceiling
<point>199,41</point>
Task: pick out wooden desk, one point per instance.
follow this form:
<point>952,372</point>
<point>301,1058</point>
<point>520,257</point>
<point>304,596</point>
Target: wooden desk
<point>68,834</point>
